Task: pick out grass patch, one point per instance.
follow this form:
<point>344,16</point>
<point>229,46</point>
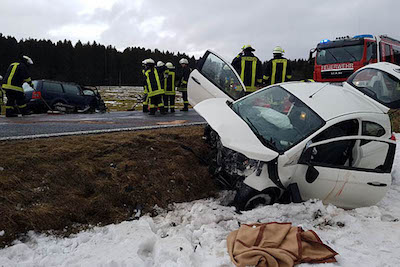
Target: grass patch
<point>66,184</point>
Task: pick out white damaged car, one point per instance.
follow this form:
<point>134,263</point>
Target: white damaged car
<point>298,140</point>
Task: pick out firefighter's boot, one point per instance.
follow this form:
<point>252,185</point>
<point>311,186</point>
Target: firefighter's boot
<point>172,110</point>
<point>145,108</point>
<point>10,112</point>
<point>24,111</point>
<point>152,111</point>
<point>185,107</point>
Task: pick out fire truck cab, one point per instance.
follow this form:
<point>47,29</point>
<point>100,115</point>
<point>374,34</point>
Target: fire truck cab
<point>336,60</point>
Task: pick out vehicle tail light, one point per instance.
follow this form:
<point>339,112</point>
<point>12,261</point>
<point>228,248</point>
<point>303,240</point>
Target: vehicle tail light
<point>393,137</point>
<point>36,95</point>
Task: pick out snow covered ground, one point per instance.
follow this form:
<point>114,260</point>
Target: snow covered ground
<point>194,234</point>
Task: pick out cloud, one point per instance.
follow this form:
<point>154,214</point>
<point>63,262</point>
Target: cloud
<point>194,26</point>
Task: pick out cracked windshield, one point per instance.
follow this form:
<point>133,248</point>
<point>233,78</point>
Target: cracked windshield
<point>277,118</point>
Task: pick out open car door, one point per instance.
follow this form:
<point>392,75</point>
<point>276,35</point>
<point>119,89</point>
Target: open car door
<point>214,78</point>
<point>380,82</point>
<point>344,171</point>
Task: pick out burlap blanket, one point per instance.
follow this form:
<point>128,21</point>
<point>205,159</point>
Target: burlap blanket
<point>276,244</point>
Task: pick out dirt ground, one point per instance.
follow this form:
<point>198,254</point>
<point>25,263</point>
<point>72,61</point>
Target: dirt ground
<point>67,184</point>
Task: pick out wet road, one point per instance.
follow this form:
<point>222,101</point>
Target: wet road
<point>66,124</point>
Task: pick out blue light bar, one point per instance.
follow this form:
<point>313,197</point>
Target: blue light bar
<point>324,41</point>
<point>364,36</point>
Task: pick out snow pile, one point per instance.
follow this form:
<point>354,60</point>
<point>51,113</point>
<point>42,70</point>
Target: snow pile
<point>194,234</point>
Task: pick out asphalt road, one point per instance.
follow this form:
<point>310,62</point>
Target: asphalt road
<point>44,125</point>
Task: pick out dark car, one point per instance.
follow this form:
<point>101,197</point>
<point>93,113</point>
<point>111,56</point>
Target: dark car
<point>62,96</point>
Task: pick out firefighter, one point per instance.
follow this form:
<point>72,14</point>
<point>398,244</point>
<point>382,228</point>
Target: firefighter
<point>145,95</point>
<point>249,67</point>
<point>182,82</point>
<point>161,68</point>
<point>278,69</point>
<point>151,80</point>
<point>169,88</point>
<point>17,74</point>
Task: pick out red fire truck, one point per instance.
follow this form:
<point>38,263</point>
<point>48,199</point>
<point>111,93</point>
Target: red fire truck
<point>336,60</point>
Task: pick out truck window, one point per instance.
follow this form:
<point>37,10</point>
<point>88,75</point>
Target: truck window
<point>371,51</point>
<point>388,56</point>
<point>396,53</point>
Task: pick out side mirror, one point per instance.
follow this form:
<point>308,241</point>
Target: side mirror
<point>311,174</point>
<point>310,57</point>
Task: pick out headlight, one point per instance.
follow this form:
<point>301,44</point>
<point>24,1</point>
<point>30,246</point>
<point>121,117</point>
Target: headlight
<point>234,161</point>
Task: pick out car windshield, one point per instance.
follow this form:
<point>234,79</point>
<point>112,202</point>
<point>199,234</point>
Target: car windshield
<point>277,118</point>
<point>340,54</point>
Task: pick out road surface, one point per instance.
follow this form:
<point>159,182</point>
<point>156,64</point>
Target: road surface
<point>66,124</point>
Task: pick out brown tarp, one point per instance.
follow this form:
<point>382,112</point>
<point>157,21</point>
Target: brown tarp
<point>276,244</point>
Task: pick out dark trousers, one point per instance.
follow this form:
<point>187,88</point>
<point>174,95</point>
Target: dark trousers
<point>15,102</point>
<point>185,101</point>
<point>169,102</point>
<point>145,103</point>
<point>156,102</point>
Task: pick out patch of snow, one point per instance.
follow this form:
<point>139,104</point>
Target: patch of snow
<point>194,234</point>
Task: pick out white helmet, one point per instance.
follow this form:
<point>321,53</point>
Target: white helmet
<point>1,77</point>
<point>248,47</point>
<point>28,60</point>
<point>183,61</point>
<point>169,65</point>
<point>160,63</point>
<point>278,50</point>
<point>149,61</point>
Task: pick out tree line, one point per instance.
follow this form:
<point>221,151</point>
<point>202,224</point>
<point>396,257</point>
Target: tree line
<point>93,63</point>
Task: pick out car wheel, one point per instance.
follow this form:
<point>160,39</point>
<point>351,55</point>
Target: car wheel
<point>248,198</point>
<point>58,106</point>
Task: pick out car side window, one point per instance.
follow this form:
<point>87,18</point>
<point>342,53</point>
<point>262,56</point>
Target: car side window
<point>370,128</point>
<point>221,74</point>
<point>375,157</point>
<point>344,128</point>
<point>52,87</point>
<point>72,89</point>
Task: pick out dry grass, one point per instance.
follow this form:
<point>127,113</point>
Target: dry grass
<point>66,184</point>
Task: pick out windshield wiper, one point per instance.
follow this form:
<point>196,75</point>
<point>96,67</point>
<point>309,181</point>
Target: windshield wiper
<point>355,59</point>
<point>332,55</point>
<point>268,143</point>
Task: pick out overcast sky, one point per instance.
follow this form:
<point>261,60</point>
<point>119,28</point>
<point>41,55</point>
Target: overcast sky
<point>195,26</point>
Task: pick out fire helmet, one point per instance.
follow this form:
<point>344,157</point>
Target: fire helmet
<point>278,50</point>
<point>183,61</point>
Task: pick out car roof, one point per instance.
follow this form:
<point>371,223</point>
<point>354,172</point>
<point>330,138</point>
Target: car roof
<point>54,81</point>
<point>330,101</point>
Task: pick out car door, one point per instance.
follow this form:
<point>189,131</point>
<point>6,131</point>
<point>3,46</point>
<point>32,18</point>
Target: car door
<point>380,82</point>
<point>74,95</point>
<point>52,92</point>
<point>214,78</point>
<point>341,172</point>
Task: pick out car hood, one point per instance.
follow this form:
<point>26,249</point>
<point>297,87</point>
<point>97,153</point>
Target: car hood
<point>232,130</point>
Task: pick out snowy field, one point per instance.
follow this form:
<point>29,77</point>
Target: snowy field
<point>194,234</point>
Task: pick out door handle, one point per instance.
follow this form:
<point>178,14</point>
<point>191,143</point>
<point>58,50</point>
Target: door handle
<point>377,184</point>
<point>197,81</point>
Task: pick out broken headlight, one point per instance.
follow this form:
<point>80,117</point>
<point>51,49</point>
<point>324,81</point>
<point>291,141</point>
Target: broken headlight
<point>234,162</point>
